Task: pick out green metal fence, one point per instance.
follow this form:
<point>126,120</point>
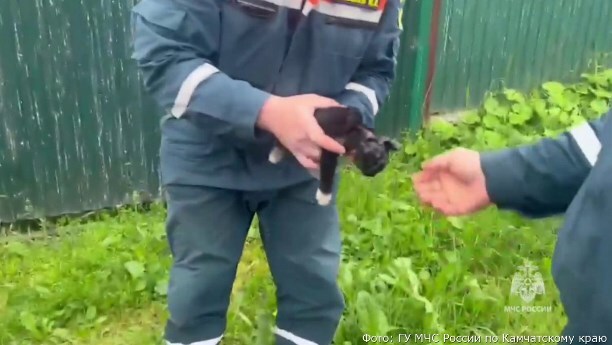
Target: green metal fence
<point>487,44</point>
<point>78,132</point>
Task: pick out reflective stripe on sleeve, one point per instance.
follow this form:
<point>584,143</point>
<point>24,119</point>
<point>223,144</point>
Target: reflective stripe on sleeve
<point>587,141</point>
<point>195,78</point>
<point>368,92</point>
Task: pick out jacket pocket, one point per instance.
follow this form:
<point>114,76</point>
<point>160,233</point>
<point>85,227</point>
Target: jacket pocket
<point>334,55</point>
<point>161,17</point>
<point>345,38</point>
<point>261,9</point>
<point>160,14</point>
<point>344,30</point>
<point>252,40</point>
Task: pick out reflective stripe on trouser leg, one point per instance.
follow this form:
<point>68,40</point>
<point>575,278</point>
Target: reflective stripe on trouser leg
<point>302,243</point>
<point>203,342</point>
<point>206,230</point>
<point>286,335</point>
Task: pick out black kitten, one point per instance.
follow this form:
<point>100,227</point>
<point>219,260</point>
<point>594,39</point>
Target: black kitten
<point>369,153</point>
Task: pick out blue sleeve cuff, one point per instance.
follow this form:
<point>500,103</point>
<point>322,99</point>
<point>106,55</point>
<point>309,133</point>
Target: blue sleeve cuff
<point>500,179</point>
<point>235,102</point>
<point>358,100</point>
<point>246,109</point>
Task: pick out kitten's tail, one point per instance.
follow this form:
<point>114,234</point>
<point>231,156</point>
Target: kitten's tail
<point>324,192</point>
<point>329,161</point>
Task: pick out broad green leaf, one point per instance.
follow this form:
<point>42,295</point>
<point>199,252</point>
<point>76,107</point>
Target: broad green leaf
<point>491,121</point>
<point>514,96</point>
<point>471,118</point>
<point>602,93</point>
<point>444,129</point>
<point>92,312</point>
<point>599,106</point>
<point>554,88</point>
<point>135,268</point>
<point>491,105</point>
<point>161,288</point>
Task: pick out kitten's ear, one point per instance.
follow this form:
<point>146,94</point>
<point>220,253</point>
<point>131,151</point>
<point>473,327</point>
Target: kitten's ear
<point>390,144</point>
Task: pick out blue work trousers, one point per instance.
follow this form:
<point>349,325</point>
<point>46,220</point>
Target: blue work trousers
<point>207,228</point>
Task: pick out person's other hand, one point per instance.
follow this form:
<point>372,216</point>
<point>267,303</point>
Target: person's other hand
<point>453,183</point>
<point>292,121</point>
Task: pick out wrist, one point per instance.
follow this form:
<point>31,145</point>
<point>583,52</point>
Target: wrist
<point>499,185</point>
<point>267,113</point>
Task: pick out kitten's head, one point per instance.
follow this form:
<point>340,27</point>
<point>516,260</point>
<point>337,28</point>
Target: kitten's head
<point>372,153</point>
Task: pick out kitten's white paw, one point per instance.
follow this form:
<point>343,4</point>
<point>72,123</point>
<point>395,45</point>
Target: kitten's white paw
<point>322,198</point>
<point>275,155</point>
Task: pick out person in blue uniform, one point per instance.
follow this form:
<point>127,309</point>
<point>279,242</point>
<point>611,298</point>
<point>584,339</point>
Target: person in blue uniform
<point>233,76</point>
<point>570,175</point>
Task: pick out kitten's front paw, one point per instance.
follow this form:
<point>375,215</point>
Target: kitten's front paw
<point>275,155</point>
<point>322,198</point>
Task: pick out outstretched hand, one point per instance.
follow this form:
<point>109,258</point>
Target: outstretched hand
<point>292,121</point>
<point>453,183</point>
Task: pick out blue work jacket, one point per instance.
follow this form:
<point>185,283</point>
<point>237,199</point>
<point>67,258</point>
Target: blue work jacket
<point>569,175</point>
<point>212,64</point>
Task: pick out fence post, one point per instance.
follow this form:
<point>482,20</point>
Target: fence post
<point>423,76</point>
<point>403,111</point>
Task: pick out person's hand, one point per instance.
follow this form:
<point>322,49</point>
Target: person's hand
<point>453,183</point>
<point>292,121</point>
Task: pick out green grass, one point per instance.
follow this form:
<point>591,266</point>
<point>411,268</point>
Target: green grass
<point>405,269</point>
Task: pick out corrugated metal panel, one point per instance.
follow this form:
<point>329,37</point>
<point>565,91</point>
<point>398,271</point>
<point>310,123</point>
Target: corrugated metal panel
<point>394,116</point>
<point>484,45</point>
<point>77,132</point>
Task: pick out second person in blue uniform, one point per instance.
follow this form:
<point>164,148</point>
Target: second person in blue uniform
<point>568,175</point>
